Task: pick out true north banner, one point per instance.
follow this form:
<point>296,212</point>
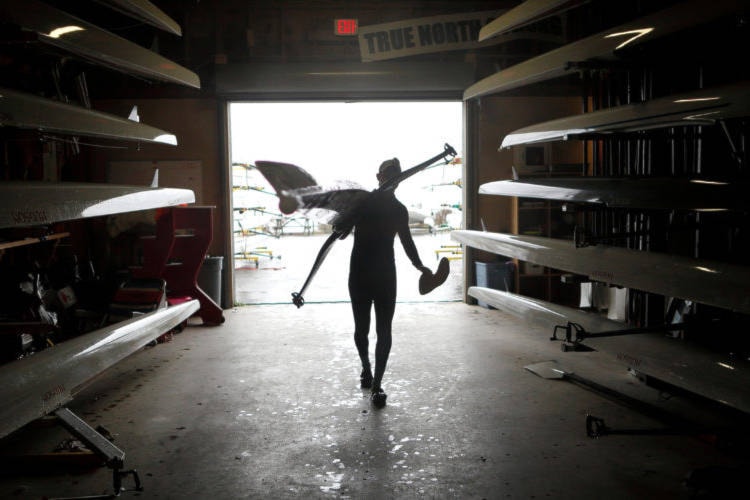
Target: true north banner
<point>425,35</point>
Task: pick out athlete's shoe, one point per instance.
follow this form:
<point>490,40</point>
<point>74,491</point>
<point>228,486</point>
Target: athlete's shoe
<point>365,379</point>
<point>378,398</point>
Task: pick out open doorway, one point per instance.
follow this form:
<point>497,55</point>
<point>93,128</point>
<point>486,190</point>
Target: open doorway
<point>340,141</point>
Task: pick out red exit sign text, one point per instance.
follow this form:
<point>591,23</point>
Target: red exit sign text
<point>345,27</point>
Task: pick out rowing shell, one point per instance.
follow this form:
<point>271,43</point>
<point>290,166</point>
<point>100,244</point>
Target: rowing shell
<point>713,283</point>
<point>629,193</point>
<point>27,111</point>
<point>37,203</point>
<point>703,107</point>
<point>37,385</point>
<point>298,190</point>
<point>528,12</point>
<point>677,362</point>
<point>58,29</point>
<point>147,12</point>
<point>604,45</point>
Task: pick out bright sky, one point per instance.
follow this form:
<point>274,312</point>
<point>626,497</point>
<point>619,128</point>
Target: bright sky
<point>348,141</point>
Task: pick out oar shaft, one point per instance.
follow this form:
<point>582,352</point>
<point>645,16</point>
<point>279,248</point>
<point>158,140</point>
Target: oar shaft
<point>298,297</point>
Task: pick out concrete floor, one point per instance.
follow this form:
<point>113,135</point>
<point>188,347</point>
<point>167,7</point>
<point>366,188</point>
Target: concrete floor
<point>267,405</point>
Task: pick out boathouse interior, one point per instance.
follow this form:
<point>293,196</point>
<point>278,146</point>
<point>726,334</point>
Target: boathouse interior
<point>149,345</point>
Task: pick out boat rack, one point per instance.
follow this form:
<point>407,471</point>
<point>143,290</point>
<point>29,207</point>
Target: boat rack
<point>113,457</point>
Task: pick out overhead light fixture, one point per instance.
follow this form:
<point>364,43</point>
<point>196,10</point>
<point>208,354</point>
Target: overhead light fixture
<point>58,32</point>
<point>712,183</point>
<point>699,99</point>
<point>702,116</point>
<point>638,33</point>
<point>166,139</point>
<point>706,269</point>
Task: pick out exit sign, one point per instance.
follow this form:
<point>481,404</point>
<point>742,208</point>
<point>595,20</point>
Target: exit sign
<point>345,27</point>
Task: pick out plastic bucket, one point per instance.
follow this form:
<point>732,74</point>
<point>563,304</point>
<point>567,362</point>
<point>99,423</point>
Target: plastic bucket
<point>209,277</point>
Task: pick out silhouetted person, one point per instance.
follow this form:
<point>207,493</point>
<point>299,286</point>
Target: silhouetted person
<point>372,275</point>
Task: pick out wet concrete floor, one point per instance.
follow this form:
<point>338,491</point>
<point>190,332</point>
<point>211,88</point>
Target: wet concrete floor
<point>268,405</point>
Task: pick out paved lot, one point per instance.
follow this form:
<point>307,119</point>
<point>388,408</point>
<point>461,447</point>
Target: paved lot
<point>276,277</point>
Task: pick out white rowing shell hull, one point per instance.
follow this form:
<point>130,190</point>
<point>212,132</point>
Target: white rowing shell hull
<point>27,111</point>
<point>37,203</point>
<point>528,12</point>
<point>146,11</point>
<point>37,385</point>
<point>603,46</point>
<point>636,193</point>
<point>713,283</point>
<point>677,362</point>
<point>93,43</point>
<point>702,107</point>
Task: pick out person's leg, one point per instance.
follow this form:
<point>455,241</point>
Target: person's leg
<point>361,310</point>
<point>385,306</point>
<point>384,310</point>
<point>361,306</point>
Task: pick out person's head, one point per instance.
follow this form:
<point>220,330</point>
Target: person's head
<point>389,168</point>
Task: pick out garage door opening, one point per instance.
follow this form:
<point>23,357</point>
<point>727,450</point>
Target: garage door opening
<point>336,141</point>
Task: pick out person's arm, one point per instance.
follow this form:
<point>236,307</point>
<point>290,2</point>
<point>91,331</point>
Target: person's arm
<point>404,234</point>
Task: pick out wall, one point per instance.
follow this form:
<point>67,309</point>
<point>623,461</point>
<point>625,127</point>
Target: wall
<point>200,138</point>
<point>196,123</point>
